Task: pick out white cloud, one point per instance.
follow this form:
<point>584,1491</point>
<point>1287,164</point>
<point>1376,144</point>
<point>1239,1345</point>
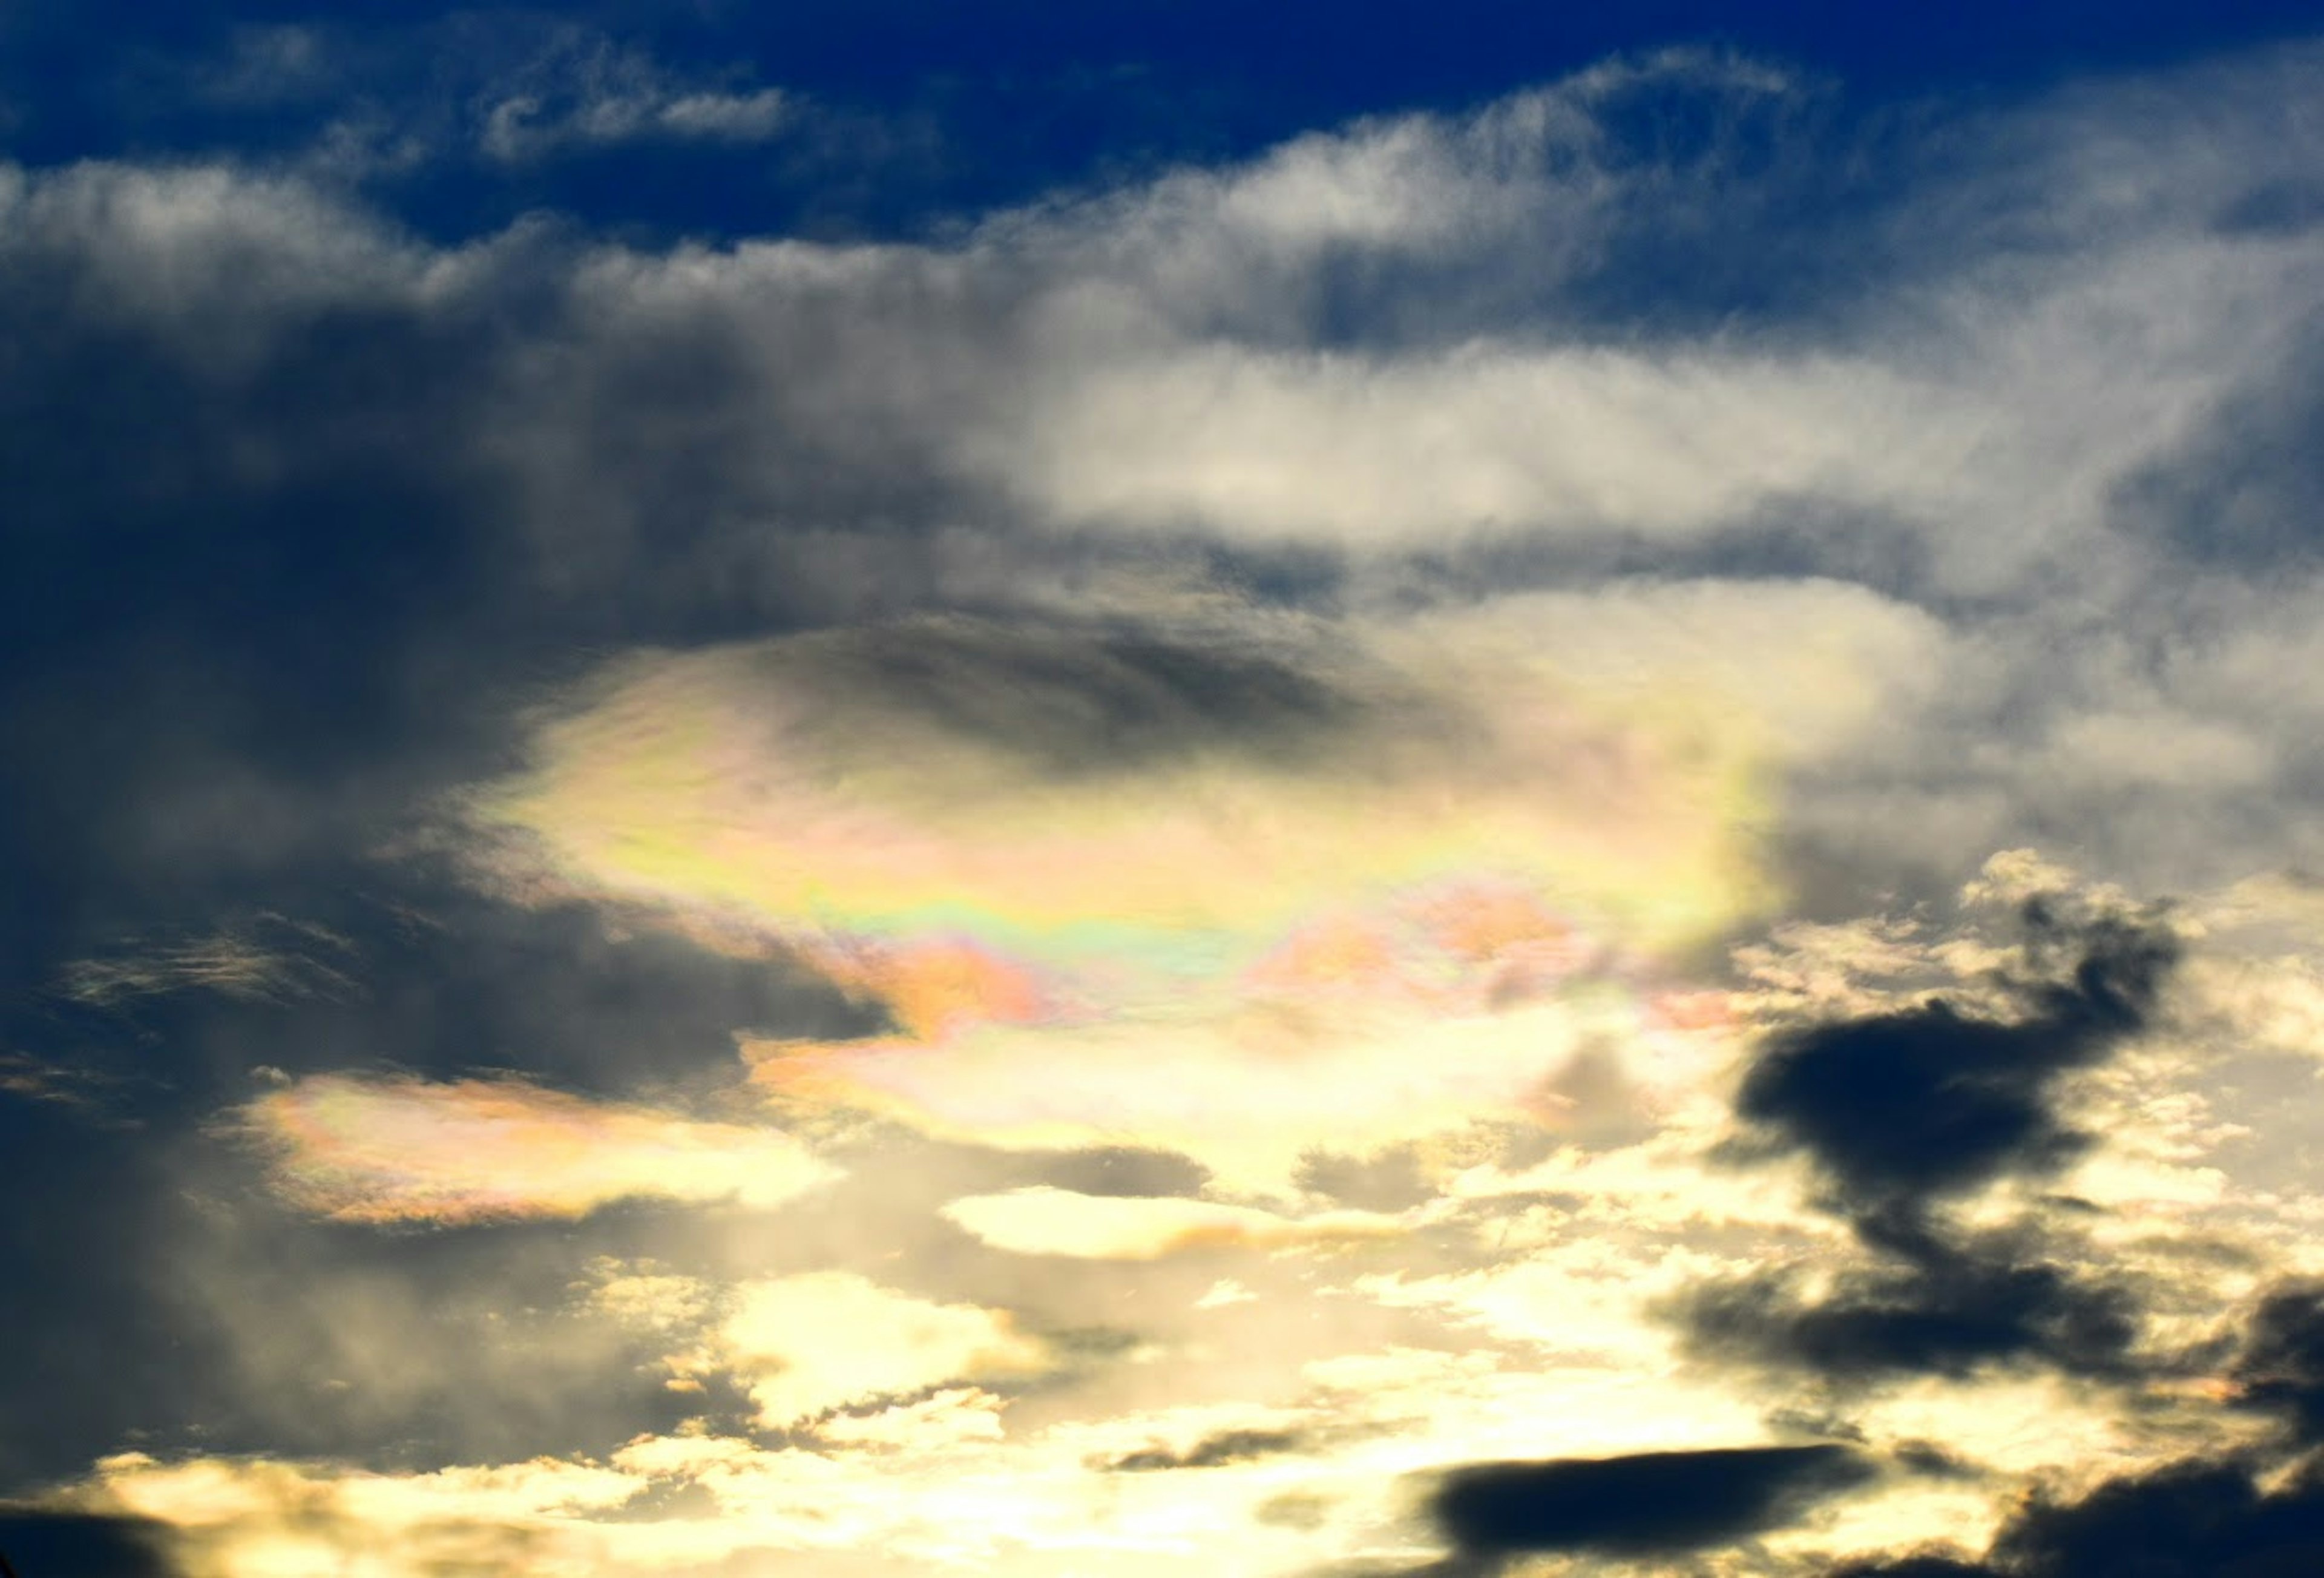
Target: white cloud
<point>587,93</point>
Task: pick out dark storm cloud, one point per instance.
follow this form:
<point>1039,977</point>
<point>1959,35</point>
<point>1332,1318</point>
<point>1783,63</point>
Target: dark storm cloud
<point>69,1545</point>
<point>1905,1108</point>
<point>242,551</point>
<point>1649,1504</point>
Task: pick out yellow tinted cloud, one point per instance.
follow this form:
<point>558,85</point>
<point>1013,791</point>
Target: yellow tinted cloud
<point>1045,1221</point>
<point>410,1151</point>
<point>826,1340</point>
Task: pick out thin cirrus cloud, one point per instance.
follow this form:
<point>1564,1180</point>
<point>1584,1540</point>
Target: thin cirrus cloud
<point>584,93</point>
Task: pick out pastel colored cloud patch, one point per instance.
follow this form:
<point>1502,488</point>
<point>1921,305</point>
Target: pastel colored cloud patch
<point>1375,878</point>
<point>392,1151</point>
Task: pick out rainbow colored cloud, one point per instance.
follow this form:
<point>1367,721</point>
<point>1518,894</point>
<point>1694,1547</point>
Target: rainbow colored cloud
<point>1323,888</point>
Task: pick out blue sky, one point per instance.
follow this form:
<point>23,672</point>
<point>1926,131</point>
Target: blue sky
<point>937,111</point>
<point>1483,791</point>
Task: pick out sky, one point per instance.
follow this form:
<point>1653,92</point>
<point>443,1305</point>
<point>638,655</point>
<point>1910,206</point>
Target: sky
<point>882,791</point>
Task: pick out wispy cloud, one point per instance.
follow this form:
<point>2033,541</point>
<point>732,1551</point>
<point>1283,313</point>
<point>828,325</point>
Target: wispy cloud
<point>585,92</point>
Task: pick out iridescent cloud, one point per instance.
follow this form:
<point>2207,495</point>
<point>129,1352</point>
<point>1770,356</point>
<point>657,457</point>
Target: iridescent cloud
<point>383,1150</point>
<point>1335,886</point>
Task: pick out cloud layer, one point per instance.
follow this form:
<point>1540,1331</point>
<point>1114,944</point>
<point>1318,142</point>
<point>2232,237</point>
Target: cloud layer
<point>1571,835</point>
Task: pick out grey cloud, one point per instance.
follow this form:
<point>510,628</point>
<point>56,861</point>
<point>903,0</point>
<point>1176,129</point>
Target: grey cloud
<point>2193,1518</point>
<point>1937,1301</point>
<point>1227,1446</point>
<point>302,507</point>
<point>1648,1504</point>
<point>1906,1113</point>
<point>2282,1367</point>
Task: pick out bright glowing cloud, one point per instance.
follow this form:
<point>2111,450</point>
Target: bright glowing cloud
<point>479,1150</point>
<point>826,1340</point>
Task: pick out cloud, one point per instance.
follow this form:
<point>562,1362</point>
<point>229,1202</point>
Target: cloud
<point>1906,1108</point>
<point>583,92</point>
<point>1935,1302</point>
<point>391,1150</point>
<point>1274,681</point>
<point>1648,1504</point>
<point>1215,1450</point>
<point>2189,1520</point>
<point>1282,856</point>
<point>1045,1221</point>
<point>2281,1366</point>
<point>86,1544</point>
<point>273,961</point>
<point>826,1340</point>
<point>1907,1114</point>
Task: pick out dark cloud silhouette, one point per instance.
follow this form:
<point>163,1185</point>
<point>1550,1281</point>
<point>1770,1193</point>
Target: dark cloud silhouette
<point>2281,1366</point>
<point>2238,1515</point>
<point>73,1545</point>
<point>1905,1112</point>
<point>1227,1446</point>
<point>2194,1518</point>
<point>1648,1504</point>
<point>1932,1100</point>
<point>1937,1303</point>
